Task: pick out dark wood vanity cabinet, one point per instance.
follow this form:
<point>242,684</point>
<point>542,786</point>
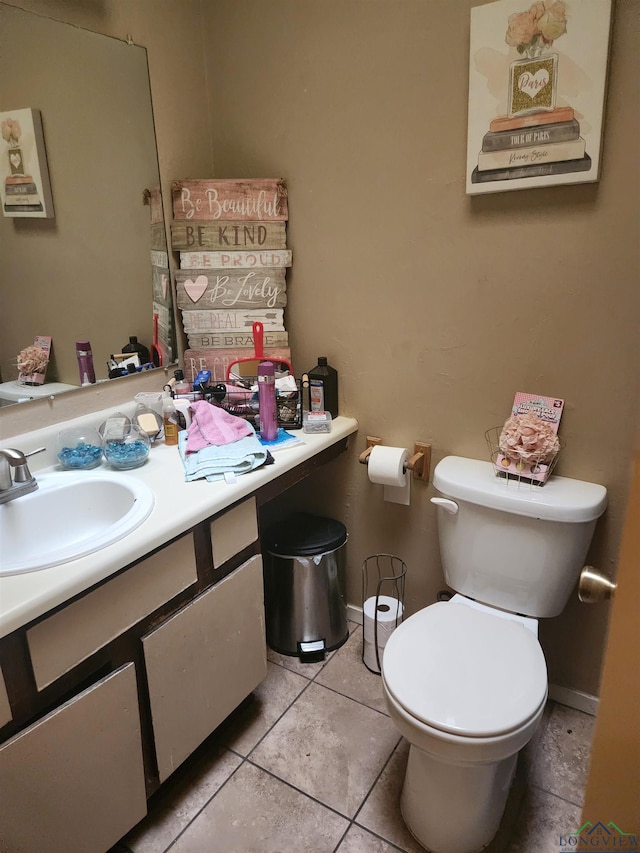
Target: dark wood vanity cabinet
<point>104,697</point>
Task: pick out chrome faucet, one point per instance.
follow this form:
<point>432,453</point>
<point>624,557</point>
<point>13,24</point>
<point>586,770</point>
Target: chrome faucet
<point>23,480</point>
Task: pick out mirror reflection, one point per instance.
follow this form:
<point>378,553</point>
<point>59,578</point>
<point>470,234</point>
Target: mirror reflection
<point>98,271</point>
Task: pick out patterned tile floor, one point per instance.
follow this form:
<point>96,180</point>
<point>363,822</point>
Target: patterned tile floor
<point>311,763</point>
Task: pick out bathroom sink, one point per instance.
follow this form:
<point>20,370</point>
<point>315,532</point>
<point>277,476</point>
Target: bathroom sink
<point>69,516</point>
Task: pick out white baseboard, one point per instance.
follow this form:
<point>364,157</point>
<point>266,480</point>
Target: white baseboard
<point>564,695</point>
<point>354,614</point>
<point>574,699</point>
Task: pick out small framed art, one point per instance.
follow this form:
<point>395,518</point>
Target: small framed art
<point>25,189</point>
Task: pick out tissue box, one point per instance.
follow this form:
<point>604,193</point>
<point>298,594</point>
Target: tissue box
<point>316,422</point>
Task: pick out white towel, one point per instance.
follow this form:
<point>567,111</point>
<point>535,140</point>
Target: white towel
<point>211,462</point>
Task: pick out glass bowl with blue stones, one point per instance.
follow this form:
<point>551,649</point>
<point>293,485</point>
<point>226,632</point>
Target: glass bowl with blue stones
<point>79,449</point>
<point>125,446</point>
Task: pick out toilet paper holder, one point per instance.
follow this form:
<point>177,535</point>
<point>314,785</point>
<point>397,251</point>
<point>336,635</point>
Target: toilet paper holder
<point>419,463</point>
<point>383,580</point>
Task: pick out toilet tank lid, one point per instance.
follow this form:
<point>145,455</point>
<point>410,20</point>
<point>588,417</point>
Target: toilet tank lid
<point>559,499</point>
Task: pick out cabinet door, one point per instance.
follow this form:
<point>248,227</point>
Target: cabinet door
<point>71,635</point>
<point>234,530</point>
<point>203,661</point>
<point>74,781</point>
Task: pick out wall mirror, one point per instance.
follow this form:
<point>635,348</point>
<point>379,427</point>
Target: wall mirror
<point>95,271</point>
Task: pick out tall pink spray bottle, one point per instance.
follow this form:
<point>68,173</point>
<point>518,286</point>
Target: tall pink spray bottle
<point>267,401</point>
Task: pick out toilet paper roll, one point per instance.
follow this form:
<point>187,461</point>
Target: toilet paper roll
<point>388,614</point>
<point>386,465</point>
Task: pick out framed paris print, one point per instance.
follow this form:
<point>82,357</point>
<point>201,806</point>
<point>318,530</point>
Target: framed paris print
<point>537,82</point>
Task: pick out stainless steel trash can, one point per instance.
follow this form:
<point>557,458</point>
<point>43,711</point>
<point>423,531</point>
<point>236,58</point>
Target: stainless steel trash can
<point>305,586</point>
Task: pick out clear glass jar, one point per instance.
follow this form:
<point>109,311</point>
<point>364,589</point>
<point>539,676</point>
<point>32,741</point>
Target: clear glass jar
<point>79,449</point>
<point>126,447</point>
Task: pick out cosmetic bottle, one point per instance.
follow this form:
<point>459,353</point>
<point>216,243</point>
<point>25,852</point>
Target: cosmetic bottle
<point>268,412</point>
<point>323,388</point>
<point>169,420</point>
<point>182,388</point>
<point>85,363</point>
<point>134,346</point>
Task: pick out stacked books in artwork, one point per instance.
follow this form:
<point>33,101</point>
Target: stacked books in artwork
<point>231,236</point>
<point>530,146</point>
<point>21,194</point>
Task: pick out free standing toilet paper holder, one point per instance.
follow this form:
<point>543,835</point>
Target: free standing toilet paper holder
<point>419,463</point>
<point>388,573</point>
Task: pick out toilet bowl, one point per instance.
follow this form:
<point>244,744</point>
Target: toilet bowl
<point>466,686</point>
<point>466,681</point>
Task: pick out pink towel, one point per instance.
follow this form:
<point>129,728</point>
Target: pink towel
<point>213,425</point>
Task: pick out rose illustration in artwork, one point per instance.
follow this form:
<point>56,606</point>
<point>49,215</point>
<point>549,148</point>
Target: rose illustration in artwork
<point>11,132</point>
<point>553,23</point>
<point>537,28</point>
<point>521,29</point>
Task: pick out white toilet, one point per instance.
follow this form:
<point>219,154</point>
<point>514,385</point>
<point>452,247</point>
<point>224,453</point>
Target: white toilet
<point>466,681</point>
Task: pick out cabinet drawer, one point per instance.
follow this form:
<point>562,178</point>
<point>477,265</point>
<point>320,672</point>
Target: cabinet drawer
<point>77,631</point>
<point>5,709</point>
<point>203,661</point>
<point>75,779</point>
<point>233,531</point>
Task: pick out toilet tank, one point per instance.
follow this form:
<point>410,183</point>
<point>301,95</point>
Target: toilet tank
<point>511,544</point>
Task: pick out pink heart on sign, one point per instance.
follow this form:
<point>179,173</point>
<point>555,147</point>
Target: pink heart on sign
<point>196,288</point>
<point>532,84</point>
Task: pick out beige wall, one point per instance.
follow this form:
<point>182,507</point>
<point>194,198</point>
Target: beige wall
<point>434,307</point>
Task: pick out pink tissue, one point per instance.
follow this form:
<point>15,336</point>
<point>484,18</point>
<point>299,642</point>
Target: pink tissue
<point>527,438</point>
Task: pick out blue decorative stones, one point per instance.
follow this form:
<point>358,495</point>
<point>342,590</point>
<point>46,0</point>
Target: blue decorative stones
<point>129,448</point>
<point>79,449</point>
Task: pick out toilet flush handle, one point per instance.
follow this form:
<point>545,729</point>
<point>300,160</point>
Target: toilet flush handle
<point>446,504</point>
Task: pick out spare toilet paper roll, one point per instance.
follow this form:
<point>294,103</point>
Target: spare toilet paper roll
<point>387,466</point>
<point>389,614</point>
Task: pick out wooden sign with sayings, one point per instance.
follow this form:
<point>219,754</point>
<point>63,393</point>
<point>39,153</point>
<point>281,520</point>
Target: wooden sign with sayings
<point>228,235</point>
<point>234,260</point>
<point>232,289</point>
<point>153,198</point>
<point>235,340</point>
<point>160,277</point>
<point>159,258</point>
<point>163,314</point>
<point>158,236</point>
<point>245,199</point>
<point>233,321</point>
<point>218,360</point>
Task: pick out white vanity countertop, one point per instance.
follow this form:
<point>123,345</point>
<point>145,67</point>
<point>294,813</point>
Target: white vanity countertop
<point>178,507</point>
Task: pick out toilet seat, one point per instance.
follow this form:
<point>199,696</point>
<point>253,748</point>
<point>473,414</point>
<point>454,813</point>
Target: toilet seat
<point>464,671</point>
